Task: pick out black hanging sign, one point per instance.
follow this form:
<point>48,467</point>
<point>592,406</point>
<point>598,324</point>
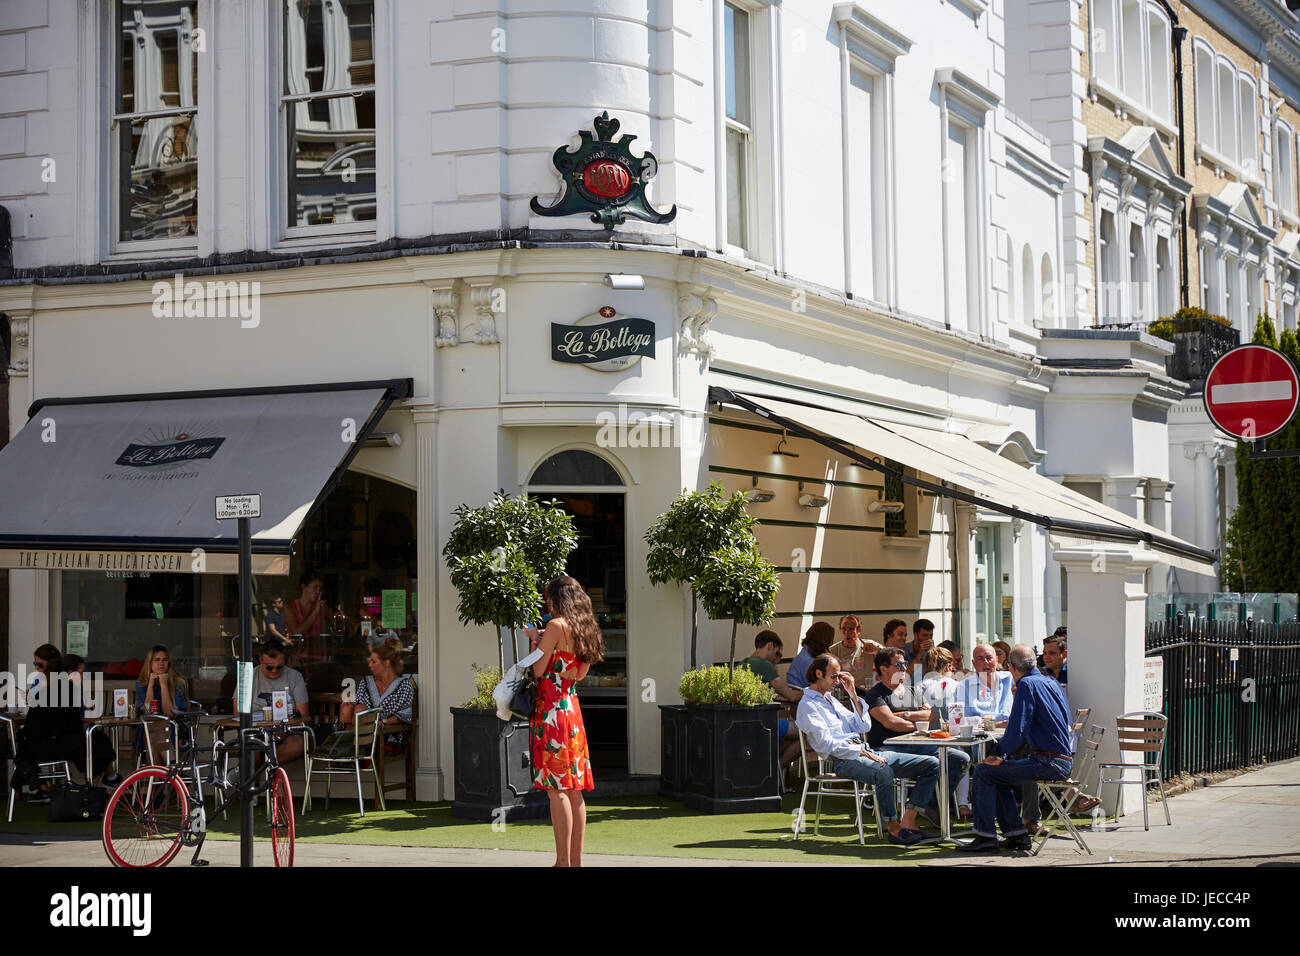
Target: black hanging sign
<point>603,178</point>
<point>606,346</point>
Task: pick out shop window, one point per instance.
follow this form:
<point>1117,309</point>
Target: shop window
<point>897,490</point>
<point>575,467</point>
<point>155,121</point>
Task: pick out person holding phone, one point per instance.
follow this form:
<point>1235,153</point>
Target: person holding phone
<point>570,644</point>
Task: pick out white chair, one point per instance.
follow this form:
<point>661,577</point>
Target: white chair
<point>824,783</point>
<point>1140,731</point>
<point>13,752</point>
<point>359,754</point>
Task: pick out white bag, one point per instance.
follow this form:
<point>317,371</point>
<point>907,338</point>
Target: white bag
<point>516,677</point>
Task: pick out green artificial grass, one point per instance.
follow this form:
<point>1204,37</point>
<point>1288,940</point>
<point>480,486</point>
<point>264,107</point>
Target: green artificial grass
<point>627,826</point>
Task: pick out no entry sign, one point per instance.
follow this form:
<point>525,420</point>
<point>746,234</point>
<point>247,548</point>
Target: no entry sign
<point>1251,392</point>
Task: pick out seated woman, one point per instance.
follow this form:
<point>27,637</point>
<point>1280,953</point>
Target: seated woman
<point>385,689</point>
<point>939,690</point>
<point>159,682</point>
<point>53,731</point>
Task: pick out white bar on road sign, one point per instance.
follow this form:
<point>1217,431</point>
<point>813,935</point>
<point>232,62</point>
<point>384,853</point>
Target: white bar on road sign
<point>1229,394</point>
<point>238,506</point>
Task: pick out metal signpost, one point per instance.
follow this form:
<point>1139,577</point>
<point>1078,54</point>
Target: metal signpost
<point>242,508</point>
<point>1251,393</point>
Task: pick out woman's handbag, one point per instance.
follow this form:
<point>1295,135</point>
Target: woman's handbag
<point>517,691</point>
<point>70,803</point>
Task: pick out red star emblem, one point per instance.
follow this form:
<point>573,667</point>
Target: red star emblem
<point>607,311</point>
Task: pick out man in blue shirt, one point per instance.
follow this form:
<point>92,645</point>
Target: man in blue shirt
<point>1040,718</point>
<point>987,692</point>
<point>838,733</point>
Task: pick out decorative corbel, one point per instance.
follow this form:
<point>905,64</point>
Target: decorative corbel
<point>697,311</point>
<point>446,304</point>
<point>1127,182</point>
<point>1098,174</point>
<point>482,298</point>
<point>19,344</point>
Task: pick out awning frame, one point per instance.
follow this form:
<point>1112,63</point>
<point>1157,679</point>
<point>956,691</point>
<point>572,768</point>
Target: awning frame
<point>722,396</point>
<point>394,389</point>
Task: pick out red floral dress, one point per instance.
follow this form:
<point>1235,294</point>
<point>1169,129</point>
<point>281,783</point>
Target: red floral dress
<point>559,740</point>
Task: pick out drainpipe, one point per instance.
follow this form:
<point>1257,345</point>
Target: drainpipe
<point>1177,35</point>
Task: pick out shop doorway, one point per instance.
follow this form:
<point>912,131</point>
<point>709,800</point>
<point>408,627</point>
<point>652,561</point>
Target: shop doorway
<point>988,584</point>
<point>590,490</point>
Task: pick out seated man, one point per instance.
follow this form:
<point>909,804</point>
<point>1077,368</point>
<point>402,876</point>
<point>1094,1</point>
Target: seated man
<point>1040,718</point>
<point>273,674</point>
<point>768,651</point>
<point>836,732</point>
<point>890,720</point>
<point>987,692</point>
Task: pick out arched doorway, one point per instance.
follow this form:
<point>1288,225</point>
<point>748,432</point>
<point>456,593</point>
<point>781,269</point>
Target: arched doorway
<point>590,489</point>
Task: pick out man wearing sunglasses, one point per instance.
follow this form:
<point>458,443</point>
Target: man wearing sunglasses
<point>889,719</point>
<point>274,674</point>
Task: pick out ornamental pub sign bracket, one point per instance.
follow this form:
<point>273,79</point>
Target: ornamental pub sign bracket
<point>602,177</point>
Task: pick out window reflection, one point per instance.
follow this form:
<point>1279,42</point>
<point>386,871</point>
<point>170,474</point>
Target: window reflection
<point>329,73</point>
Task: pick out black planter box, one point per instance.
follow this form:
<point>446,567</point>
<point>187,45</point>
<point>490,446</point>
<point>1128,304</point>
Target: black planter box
<point>494,776</point>
<point>672,751</point>
<point>731,758</point>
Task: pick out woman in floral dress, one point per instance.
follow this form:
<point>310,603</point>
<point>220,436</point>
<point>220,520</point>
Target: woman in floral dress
<point>570,644</point>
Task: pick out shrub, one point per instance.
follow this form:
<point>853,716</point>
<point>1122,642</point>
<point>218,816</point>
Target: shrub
<point>717,685</point>
<point>485,680</point>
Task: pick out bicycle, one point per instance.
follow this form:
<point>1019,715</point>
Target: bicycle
<point>154,812</point>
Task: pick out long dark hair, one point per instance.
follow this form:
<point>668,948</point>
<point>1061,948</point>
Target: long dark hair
<point>570,601</point>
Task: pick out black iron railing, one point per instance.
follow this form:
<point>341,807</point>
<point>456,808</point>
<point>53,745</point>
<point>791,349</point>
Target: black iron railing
<point>1198,344</point>
<point>1232,692</point>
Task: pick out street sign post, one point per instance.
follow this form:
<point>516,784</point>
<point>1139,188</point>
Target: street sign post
<point>1251,393</point>
<point>242,508</point>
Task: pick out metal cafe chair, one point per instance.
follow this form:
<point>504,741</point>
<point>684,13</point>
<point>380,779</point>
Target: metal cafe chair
<point>162,748</point>
<point>359,755</point>
<point>1140,731</point>
<point>1058,793</point>
<point>13,752</point>
<point>824,783</point>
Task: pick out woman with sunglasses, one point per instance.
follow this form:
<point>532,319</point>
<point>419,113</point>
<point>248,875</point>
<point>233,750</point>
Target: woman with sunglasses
<point>45,660</point>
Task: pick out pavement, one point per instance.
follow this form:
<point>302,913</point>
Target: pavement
<point>1249,820</point>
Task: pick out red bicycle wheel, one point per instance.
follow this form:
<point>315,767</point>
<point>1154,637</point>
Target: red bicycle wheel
<point>281,819</point>
<point>145,819</point>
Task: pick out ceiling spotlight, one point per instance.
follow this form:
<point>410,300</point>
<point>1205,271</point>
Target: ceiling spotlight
<point>811,501</point>
<point>623,282</point>
<point>780,448</point>
<point>887,507</point>
<point>383,440</point>
<point>759,495</point>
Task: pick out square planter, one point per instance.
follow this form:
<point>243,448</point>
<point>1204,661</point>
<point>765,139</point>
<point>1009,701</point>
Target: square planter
<point>494,776</point>
<point>731,758</point>
<point>672,751</point>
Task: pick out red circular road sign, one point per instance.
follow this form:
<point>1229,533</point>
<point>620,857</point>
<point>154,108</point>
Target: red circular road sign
<point>1251,392</point>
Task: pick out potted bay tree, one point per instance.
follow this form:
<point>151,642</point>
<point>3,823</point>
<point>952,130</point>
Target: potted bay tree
<point>718,750</point>
<point>499,557</point>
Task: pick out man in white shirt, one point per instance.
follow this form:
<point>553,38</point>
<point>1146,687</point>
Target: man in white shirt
<point>837,733</point>
<point>987,692</point>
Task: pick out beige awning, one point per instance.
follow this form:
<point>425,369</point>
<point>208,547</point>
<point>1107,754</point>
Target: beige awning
<point>965,470</point>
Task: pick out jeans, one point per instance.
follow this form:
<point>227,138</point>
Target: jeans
<point>924,770</point>
<point>958,762</point>
<point>993,791</point>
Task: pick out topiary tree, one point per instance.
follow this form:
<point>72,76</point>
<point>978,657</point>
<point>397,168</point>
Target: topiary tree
<point>695,525</point>
<point>500,555</point>
<point>738,583</point>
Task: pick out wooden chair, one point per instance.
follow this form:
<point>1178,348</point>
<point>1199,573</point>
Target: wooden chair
<point>408,757</point>
<point>1140,731</point>
<point>1061,795</point>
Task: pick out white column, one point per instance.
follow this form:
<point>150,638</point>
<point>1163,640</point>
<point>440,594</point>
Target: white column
<point>1125,493</point>
<point>29,591</point>
<point>1107,644</point>
<point>429,782</point>
<point>964,541</point>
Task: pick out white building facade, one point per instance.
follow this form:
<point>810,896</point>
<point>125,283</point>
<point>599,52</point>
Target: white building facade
<point>861,224</point>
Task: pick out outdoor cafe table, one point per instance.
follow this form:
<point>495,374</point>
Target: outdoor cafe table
<point>968,743</point>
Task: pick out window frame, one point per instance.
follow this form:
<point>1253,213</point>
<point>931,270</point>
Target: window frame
<point>1228,158</point>
<point>748,136</point>
<point>1284,135</point>
<point>1119,89</point>
<point>284,232</point>
<point>115,247</point>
